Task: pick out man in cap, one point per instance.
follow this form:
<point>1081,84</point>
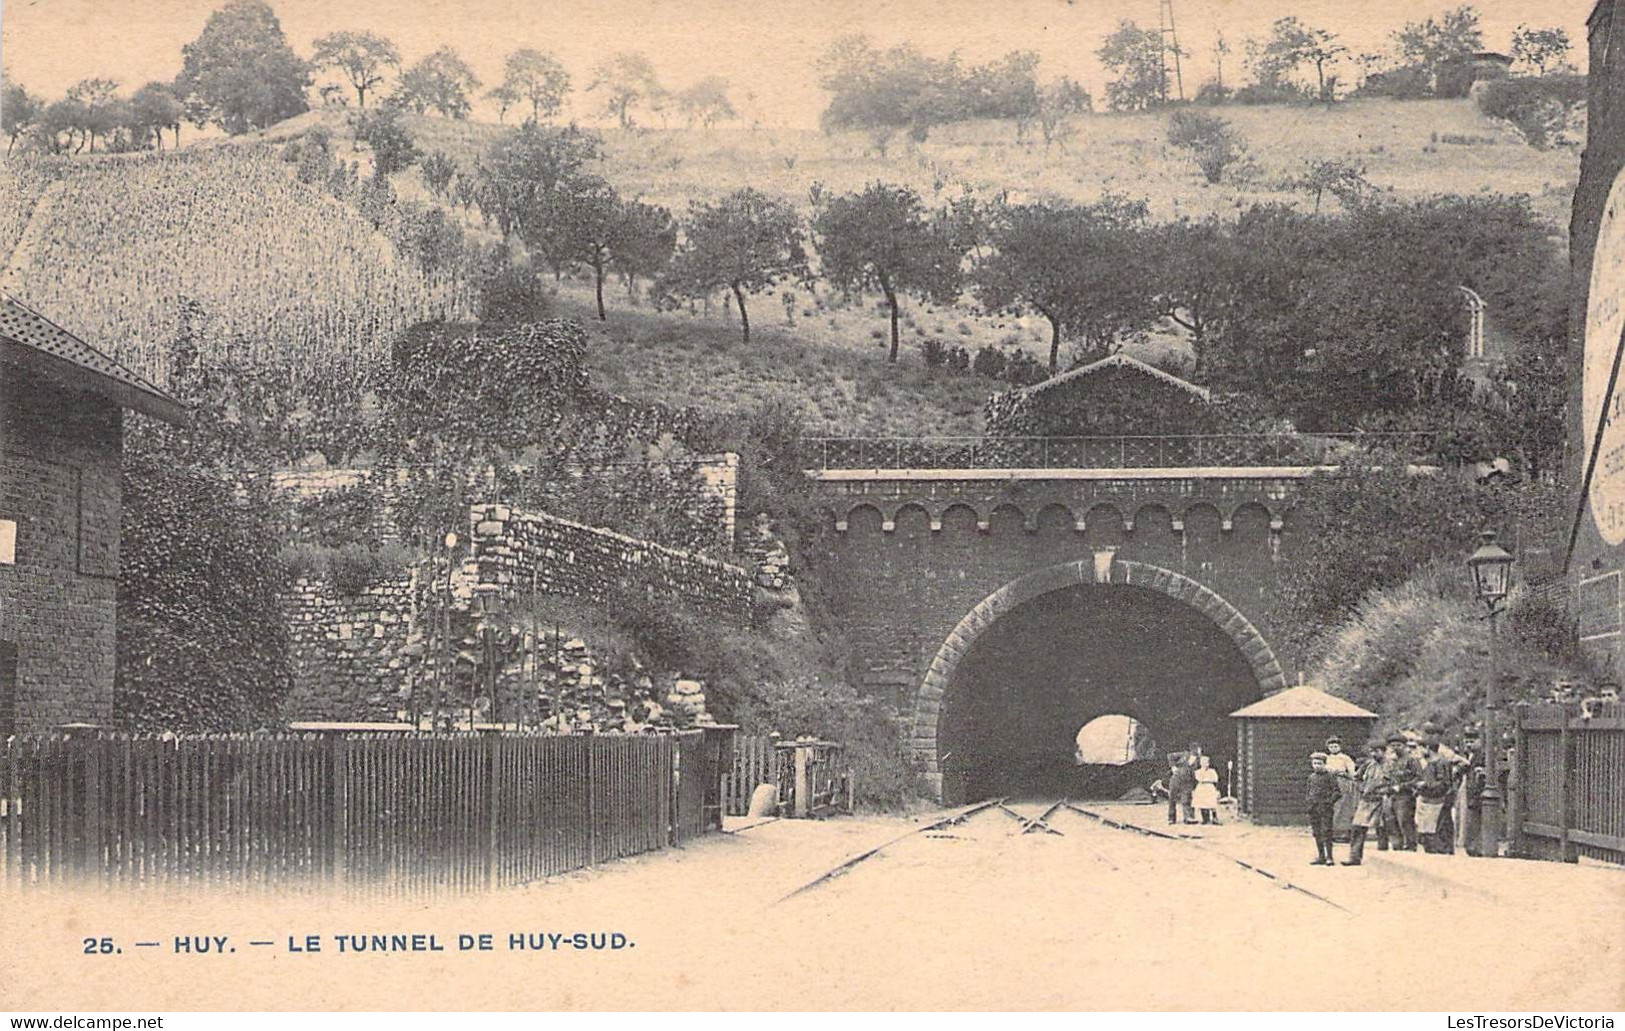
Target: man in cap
<point>1433,797</point>
<point>1342,766</point>
<point>1370,810</point>
<point>1322,798</point>
<point>1404,772</point>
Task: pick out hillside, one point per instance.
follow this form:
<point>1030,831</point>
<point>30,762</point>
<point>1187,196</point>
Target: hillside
<point>1412,148</point>
<point>113,245</point>
<point>283,265</point>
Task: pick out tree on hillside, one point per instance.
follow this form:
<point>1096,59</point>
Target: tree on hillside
<point>885,91</point>
<point>240,72</point>
<point>1430,45</point>
<point>1290,45</point>
<point>154,108</point>
<point>743,243</point>
<point>1196,269</point>
<point>504,98</point>
<point>583,215</point>
<point>18,111</point>
<point>1135,56</point>
<point>706,102</point>
<point>1057,102</point>
<point>523,168</point>
<point>93,100</point>
<point>1084,269</point>
<point>645,236</point>
<point>1343,178</point>
<point>56,129</point>
<point>627,81</point>
<point>1213,143</point>
<point>1542,50</point>
<point>392,145</point>
<point>363,58</point>
<point>536,77</point>
<point>441,82</point>
<point>882,239</point>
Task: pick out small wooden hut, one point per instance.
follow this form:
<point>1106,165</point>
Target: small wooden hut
<point>1275,738</point>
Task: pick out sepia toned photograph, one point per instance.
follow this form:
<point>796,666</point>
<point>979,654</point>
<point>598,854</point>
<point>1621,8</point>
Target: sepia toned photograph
<point>1109,506</point>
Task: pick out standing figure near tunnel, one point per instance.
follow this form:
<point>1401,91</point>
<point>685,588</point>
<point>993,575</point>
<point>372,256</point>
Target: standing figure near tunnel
<point>1341,765</point>
<point>1181,787</point>
<point>1370,813</point>
<point>1205,797</point>
<point>1322,798</point>
<point>1404,773</point>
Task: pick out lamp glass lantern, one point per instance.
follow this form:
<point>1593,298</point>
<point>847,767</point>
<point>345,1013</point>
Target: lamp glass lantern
<point>1492,570</point>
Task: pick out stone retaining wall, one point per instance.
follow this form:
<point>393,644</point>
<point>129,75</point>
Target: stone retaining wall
<point>517,551</point>
<point>351,660</point>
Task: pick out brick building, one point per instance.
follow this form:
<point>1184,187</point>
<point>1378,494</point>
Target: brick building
<point>62,408</point>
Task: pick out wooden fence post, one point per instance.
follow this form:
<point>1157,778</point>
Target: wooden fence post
<point>1565,751</point>
<point>92,811</point>
<point>492,785</point>
<point>803,802</point>
<point>338,765</point>
<point>1516,846</point>
<point>592,801</point>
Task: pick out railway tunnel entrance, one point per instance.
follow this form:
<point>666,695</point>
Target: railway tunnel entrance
<point>1035,704</point>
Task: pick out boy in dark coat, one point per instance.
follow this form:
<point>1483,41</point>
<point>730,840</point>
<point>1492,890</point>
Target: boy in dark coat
<point>1181,786</point>
<point>1324,792</point>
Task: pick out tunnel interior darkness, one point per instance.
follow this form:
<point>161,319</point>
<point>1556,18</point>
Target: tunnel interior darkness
<point>1013,709</point>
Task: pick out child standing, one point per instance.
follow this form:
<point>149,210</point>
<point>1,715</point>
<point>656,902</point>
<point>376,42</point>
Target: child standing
<point>1322,798</point>
<point>1206,796</point>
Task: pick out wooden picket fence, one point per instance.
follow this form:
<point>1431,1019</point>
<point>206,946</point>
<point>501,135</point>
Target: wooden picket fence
<point>754,762</point>
<point>373,812</point>
<point>1568,782</point>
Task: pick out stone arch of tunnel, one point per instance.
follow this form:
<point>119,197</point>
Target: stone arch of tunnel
<point>998,711</point>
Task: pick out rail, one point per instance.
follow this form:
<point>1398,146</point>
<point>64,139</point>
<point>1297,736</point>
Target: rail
<point>1226,450</point>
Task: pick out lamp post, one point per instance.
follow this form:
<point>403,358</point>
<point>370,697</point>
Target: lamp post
<point>1491,567</point>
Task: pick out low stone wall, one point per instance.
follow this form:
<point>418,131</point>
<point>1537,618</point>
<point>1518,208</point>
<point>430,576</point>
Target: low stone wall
<point>515,552</point>
<point>351,660</point>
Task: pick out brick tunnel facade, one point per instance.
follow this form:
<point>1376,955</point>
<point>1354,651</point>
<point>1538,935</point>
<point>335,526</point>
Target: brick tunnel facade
<point>1000,613</point>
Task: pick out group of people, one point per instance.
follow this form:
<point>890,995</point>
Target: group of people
<point>1192,788</point>
<point>1405,790</point>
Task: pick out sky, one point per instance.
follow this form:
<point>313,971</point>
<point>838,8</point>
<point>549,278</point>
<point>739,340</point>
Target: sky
<point>768,49</point>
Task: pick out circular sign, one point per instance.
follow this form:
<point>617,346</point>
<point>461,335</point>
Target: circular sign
<point>1605,320</point>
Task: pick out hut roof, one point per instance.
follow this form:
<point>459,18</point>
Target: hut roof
<point>1118,361</point>
<point>1303,702</point>
<point>36,341</point>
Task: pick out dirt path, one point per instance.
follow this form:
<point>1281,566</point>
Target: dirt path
<point>978,915</point>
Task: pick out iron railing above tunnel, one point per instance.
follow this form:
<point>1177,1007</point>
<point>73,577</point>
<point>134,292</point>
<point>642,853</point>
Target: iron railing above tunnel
<point>1224,450</point>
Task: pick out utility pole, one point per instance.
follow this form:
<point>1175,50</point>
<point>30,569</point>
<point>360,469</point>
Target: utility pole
<point>1170,48</point>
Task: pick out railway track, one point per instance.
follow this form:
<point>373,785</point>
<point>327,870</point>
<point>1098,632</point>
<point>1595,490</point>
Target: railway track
<point>1041,824</point>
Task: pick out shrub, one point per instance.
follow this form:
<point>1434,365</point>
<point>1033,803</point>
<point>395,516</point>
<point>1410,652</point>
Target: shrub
<point>353,568</point>
<point>1022,369</point>
<point>989,362</point>
<point>1408,83</point>
<point>1537,106</point>
<point>1212,141</point>
<point>1271,93</point>
<point>338,517</point>
<point>934,352</point>
<point>437,171</point>
<point>303,561</point>
<point>392,146</point>
<point>959,359</point>
<point>1212,93</point>
<point>514,295</point>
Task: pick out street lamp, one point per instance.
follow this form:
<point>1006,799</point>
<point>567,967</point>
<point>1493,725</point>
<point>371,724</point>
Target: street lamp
<point>1491,566</point>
